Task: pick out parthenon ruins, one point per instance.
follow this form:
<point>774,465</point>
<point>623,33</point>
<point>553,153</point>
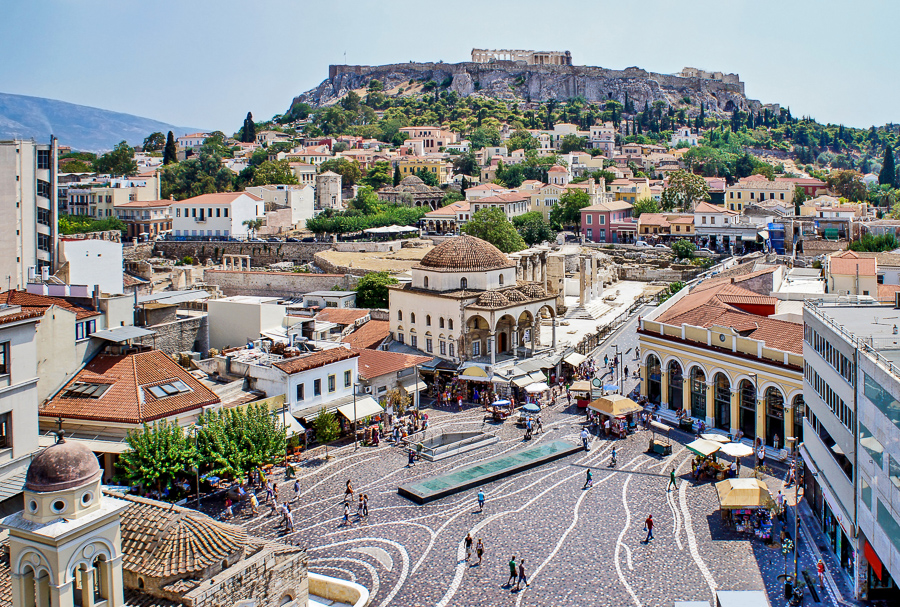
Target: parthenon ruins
<point>480,55</point>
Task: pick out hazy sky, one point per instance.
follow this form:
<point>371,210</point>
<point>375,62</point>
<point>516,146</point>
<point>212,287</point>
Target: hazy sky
<point>205,63</point>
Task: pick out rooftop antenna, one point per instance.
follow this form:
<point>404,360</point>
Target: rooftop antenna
<point>60,433</point>
<point>345,57</point>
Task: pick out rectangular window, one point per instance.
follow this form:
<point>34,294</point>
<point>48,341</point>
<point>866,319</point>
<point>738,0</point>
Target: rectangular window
<point>865,493</point>
<point>44,242</point>
<point>218,212</point>
<point>332,383</point>
<point>589,219</point>
<point>91,327</point>
<point>300,391</point>
<point>5,430</point>
<point>79,331</point>
<point>317,387</point>
<point>443,347</point>
<point>348,378</point>
<point>428,345</point>
<point>890,526</point>
<point>476,348</point>
<point>602,234</point>
<point>400,338</point>
<point>43,188</point>
<point>414,341</point>
<point>43,216</point>
<point>177,211</point>
<point>602,219</point>
<point>4,358</point>
<point>43,159</point>
<point>226,211</point>
<point>894,471</point>
<point>451,349</point>
<point>590,234</point>
<point>882,399</point>
<point>871,445</point>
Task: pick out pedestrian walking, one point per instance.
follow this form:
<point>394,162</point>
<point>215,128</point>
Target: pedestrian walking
<point>229,513</point>
<point>365,505</point>
<point>648,525</point>
<point>346,513</point>
<point>296,489</point>
<point>254,504</point>
<point>605,360</point>
<point>289,518</point>
<point>480,501</point>
<point>612,459</point>
<point>359,506</point>
<point>584,438</point>
<point>625,370</point>
<point>348,492</point>
<point>270,491</point>
<point>791,477</point>
<point>589,480</point>
<point>468,543</point>
<point>672,482</point>
<point>820,572</point>
<point>479,550</point>
<point>522,577</point>
<point>513,572</point>
<point>412,457</point>
<point>540,425</point>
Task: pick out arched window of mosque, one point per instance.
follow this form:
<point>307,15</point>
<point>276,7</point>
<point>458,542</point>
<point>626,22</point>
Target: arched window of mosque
<point>412,317</point>
<point>450,323</point>
<point>441,322</point>
<point>426,282</point>
<point>501,279</point>
<point>399,314</point>
<point>463,283</point>
<point>428,320</point>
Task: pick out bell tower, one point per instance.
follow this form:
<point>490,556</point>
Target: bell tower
<point>65,547</point>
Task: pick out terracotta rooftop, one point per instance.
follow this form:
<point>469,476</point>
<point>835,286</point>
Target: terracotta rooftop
<point>21,315</point>
<point>505,197</point>
<point>375,363</point>
<point>31,302</point>
<point>129,398</point>
<point>464,253</point>
<point>705,207</point>
<point>162,540</point>
<point>850,263</point>
<point>342,316</point>
<point>315,360</point>
<point>716,303</point>
<point>219,198</point>
<point>370,335</point>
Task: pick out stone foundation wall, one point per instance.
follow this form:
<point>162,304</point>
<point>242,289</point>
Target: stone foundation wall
<point>651,274</point>
<point>265,578</point>
<point>188,334</point>
<point>137,252</point>
<point>276,284</point>
<point>265,253</point>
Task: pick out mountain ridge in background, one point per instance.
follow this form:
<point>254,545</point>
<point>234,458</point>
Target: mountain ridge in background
<point>83,128</point>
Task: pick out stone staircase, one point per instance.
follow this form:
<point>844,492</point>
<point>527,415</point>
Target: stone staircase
<point>590,311</point>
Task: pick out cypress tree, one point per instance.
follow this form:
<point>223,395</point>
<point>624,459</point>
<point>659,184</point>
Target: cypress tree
<point>248,131</point>
<point>396,176</point>
<point>463,186</point>
<point>170,152</point>
<point>888,176</point>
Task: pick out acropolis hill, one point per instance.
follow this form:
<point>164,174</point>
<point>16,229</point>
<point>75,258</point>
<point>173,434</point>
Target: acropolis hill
<point>527,75</point>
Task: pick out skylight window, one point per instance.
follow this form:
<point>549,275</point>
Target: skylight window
<point>85,390</point>
<point>169,389</point>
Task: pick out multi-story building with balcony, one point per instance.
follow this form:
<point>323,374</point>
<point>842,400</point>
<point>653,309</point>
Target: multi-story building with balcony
<point>28,209</point>
<point>851,437</point>
<point>215,215</point>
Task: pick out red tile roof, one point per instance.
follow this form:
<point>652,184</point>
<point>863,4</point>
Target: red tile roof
<point>140,204</point>
<point>219,198</point>
<point>507,197</point>
<point>342,316</point>
<point>714,302</point>
<point>314,360</point>
<point>21,315</point>
<point>848,262</point>
<point>32,302</point>
<point>370,335</point>
<point>375,363</point>
<point>128,399</point>
<point>887,292</point>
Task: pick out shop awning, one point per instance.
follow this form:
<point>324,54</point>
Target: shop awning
<point>365,407</point>
<point>537,377</point>
<point>581,386</point>
<point>293,426</point>
<point>95,445</point>
<point>748,237</point>
<point>529,365</point>
<point>872,558</point>
<point>409,384</point>
<point>575,359</point>
<point>615,405</point>
<point>310,413</point>
<point>523,381</point>
<point>474,374</point>
<point>743,493</point>
<point>537,387</point>
<point>703,447</point>
<point>549,361</point>
<point>764,234</point>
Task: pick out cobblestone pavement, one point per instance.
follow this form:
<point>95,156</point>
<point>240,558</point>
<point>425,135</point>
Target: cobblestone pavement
<point>581,547</point>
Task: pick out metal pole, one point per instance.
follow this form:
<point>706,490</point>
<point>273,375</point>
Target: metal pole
<point>284,423</point>
<point>355,439</point>
<point>797,477</point>
<point>416,388</point>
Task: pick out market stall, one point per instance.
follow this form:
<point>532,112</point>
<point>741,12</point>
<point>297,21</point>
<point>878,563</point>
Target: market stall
<point>659,439</point>
<point>705,464</point>
<point>747,504</point>
<point>581,392</point>
<point>617,407</point>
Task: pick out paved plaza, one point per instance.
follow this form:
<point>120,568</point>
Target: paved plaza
<point>581,546</point>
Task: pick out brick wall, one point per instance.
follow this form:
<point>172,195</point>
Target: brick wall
<point>265,253</point>
<point>276,284</point>
<point>266,578</point>
<point>190,334</point>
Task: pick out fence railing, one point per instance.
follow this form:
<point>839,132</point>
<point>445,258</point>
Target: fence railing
<point>414,440</point>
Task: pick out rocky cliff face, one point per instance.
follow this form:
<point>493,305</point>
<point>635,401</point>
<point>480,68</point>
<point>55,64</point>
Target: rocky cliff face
<point>519,82</point>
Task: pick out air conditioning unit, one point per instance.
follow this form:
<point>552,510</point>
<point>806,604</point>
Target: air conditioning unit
<point>367,389</point>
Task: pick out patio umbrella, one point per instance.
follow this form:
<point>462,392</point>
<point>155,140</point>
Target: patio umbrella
<point>537,387</point>
<point>611,387</point>
<point>736,450</point>
<point>743,493</point>
<point>704,448</point>
<point>718,438</point>
<point>531,408</point>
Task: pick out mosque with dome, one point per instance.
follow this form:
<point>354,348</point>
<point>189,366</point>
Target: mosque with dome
<point>465,303</point>
<point>74,544</point>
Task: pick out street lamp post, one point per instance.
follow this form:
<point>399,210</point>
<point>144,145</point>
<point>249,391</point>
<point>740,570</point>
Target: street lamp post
<point>355,437</point>
<point>194,432</point>
<point>618,368</point>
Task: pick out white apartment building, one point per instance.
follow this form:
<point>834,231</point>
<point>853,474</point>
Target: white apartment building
<point>300,199</point>
<point>101,199</point>
<point>851,438</point>
<point>28,209</point>
<point>18,398</point>
<point>603,137</point>
<point>191,140</point>
<point>91,261</point>
<point>237,320</point>
<point>213,215</point>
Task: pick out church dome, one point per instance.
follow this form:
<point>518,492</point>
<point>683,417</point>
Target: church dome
<point>65,465</point>
<point>492,299</point>
<point>465,254</point>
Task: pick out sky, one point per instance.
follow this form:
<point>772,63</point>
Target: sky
<point>206,63</point>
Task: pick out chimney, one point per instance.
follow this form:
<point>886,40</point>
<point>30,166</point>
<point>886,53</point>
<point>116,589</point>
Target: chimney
<point>45,273</point>
<point>897,300</point>
<point>95,297</point>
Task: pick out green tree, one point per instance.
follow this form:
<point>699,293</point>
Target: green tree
<point>378,176</point>
<point>157,454</point>
<point>81,224</point>
<point>74,165</point>
<point>366,201</point>
<point>684,190</point>
<point>248,130</point>
<point>888,174</point>
<point>743,166</point>
<point>154,142</point>
<point>644,205</point>
<point>521,140</point>
<point>492,225</point>
<point>326,427</point>
<point>232,442</point>
<point>253,225</point>
<point>533,228</point>
<point>572,143</point>
<point>848,184</point>
<point>372,290</point>
<point>170,153</point>
<point>466,164</point>
<point>683,249</point>
<point>567,212</point>
<point>274,172</point>
<point>875,244</point>
<point>427,177</point>
<point>397,176</point>
<point>483,137</point>
<point>120,161</point>
<point>349,170</point>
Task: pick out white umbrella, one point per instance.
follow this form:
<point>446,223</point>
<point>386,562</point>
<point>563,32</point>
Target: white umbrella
<point>719,438</point>
<point>736,450</point>
<point>537,387</point>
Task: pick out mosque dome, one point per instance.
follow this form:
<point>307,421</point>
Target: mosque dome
<point>64,465</point>
<point>465,253</point>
